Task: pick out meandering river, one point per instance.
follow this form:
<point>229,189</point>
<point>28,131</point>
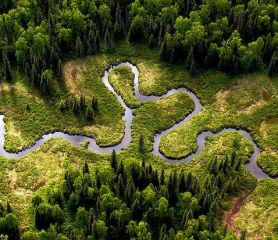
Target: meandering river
<point>128,117</point>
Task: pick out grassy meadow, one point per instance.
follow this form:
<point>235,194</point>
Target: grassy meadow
<point>248,101</point>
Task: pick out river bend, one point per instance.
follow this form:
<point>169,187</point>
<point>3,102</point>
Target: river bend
<point>128,117</point>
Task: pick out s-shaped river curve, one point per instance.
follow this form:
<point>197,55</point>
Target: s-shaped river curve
<point>128,117</point>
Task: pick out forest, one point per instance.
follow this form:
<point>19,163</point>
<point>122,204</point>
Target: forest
<point>234,36</point>
<point>219,55</point>
<point>132,200</point>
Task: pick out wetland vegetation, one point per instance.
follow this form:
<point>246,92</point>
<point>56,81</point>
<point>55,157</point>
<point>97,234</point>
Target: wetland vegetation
<point>54,55</point>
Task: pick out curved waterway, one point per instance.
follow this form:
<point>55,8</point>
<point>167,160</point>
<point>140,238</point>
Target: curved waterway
<point>128,117</point>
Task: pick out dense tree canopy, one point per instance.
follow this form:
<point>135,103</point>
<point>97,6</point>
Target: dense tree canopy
<point>231,35</point>
<point>132,200</point>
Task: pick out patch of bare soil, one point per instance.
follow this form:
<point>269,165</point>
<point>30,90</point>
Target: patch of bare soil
<point>70,74</point>
<point>229,216</point>
<point>13,185</point>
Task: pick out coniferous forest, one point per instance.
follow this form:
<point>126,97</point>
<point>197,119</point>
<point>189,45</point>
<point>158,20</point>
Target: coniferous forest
<point>89,152</point>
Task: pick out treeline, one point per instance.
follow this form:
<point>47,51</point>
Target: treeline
<point>234,36</point>
<point>37,34</point>
<point>9,224</point>
<point>132,200</point>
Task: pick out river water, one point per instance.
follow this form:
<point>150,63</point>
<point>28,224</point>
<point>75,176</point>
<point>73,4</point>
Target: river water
<point>128,117</point>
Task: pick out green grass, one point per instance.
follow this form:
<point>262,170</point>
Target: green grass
<point>40,172</point>
<point>24,127</point>
<point>248,101</point>
<point>259,213</point>
<point>122,80</point>
<point>241,105</point>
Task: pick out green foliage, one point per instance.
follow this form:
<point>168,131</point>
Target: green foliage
<point>134,203</point>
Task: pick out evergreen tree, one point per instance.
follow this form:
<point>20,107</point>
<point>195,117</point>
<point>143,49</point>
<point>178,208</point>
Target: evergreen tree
<point>151,41</point>
<point>95,104</point>
<point>272,67</point>
<point>182,184</point>
<point>86,168</point>
<point>79,47</point>
<point>7,69</point>
<point>9,208</point>
<point>120,170</point>
<point>141,144</point>
<point>89,114</point>
<point>162,177</point>
<point>164,51</point>
<point>114,161</point>
<point>120,190</point>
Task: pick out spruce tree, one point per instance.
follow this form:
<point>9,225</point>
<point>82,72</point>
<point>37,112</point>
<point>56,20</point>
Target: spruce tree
<point>95,104</point>
<point>120,170</point>
<point>9,208</point>
<point>141,144</point>
<point>82,102</point>
<point>7,69</point>
<point>79,49</point>
<point>114,161</point>
<point>86,168</point>
<point>120,190</point>
<point>272,67</point>
<point>98,181</point>
<point>164,51</point>
<point>136,211</point>
<point>182,184</point>
<point>162,177</point>
<point>151,42</point>
<point>89,114</point>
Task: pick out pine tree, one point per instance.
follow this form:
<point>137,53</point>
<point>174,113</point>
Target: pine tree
<point>107,39</point>
<point>9,208</point>
<point>151,42</point>
<point>238,165</point>
<point>272,67</point>
<point>120,170</point>
<point>141,144</point>
<point>59,68</point>
<point>98,181</point>
<point>175,180</point>
<point>69,182</point>
<point>86,168</point>
<point>172,216</point>
<point>189,181</point>
<point>136,210</point>
<point>162,232</point>
<point>190,58</point>
<point>28,107</point>
<point>120,190</point>
<point>33,74</point>
<point>164,51</point>
<point>95,104</point>
<point>79,49</point>
<point>130,190</point>
<point>89,114</point>
<point>7,69</point>
<point>114,161</point>
<point>162,177</point>
<point>192,68</point>
<point>82,102</point>
<point>155,180</point>
<point>182,184</point>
